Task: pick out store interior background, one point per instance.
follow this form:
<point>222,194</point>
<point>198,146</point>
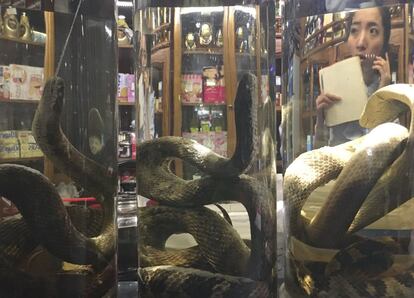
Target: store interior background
<point>194,118</point>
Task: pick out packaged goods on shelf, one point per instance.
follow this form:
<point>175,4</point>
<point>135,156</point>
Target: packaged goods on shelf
<point>4,82</point>
<point>126,87</point>
<point>127,145</point>
<point>213,85</point>
<point>26,82</point>
<point>216,141</point>
<point>18,144</point>
<point>122,93</point>
<point>131,87</point>
<point>191,88</point>
<point>9,144</point>
<point>28,146</point>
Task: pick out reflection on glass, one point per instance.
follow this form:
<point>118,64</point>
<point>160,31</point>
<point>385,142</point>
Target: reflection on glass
<point>219,164</point>
<point>348,202</point>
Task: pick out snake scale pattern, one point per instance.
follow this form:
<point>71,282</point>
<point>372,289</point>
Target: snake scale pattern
<point>373,177</point>
<point>222,263</point>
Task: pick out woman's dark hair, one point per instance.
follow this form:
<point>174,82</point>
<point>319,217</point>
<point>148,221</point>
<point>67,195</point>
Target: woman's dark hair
<point>386,24</point>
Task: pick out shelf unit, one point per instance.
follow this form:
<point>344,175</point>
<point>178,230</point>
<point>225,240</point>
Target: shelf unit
<point>19,112</point>
<point>321,49</point>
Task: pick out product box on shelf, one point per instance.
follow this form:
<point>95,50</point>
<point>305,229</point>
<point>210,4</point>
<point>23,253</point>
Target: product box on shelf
<point>26,82</point>
<point>28,145</point>
<point>122,94</point>
<point>9,144</point>
<point>4,82</point>
<point>213,85</point>
<point>191,90</point>
<point>216,141</point>
<point>131,87</point>
<point>126,87</point>
<point>127,145</point>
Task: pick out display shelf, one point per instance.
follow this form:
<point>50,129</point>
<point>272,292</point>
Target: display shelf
<point>18,101</point>
<point>20,159</point>
<point>204,51</point>
<point>195,104</point>
<point>125,160</point>
<point>18,40</point>
<point>123,103</point>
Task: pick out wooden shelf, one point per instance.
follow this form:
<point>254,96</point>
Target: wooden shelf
<point>202,104</point>
<point>20,159</point>
<point>125,103</point>
<point>125,46</point>
<point>204,51</point>
<point>18,40</point>
<point>19,101</point>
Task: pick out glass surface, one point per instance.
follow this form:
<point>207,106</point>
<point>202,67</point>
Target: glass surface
<point>345,199</point>
<point>194,56</point>
<point>58,162</point>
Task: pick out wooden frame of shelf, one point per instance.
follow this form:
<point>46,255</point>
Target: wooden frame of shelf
<point>162,56</point>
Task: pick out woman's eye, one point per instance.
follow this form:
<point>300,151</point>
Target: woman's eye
<point>374,31</point>
<point>354,30</point>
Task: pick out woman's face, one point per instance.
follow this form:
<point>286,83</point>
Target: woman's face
<point>367,33</point>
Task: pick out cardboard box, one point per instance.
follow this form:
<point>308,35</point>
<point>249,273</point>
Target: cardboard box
<point>213,85</point>
<point>26,82</point>
<point>131,87</point>
<point>9,144</point>
<point>191,88</point>
<point>28,145</point>
<point>4,82</point>
<point>216,141</point>
<point>122,93</point>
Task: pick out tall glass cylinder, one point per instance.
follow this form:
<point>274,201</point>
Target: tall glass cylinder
<point>57,149</point>
<point>347,148</point>
<point>206,181</point>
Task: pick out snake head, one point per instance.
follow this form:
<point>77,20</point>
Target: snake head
<point>53,93</point>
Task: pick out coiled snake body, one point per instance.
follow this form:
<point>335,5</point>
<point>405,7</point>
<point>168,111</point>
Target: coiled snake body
<point>373,177</point>
<point>46,221</point>
<point>221,262</point>
<point>225,265</point>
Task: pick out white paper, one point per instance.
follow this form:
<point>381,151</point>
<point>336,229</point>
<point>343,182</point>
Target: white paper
<point>344,79</point>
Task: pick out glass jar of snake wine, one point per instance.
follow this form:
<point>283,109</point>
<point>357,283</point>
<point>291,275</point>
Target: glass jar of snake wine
<point>206,219</point>
<point>347,149</point>
<point>58,166</point>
